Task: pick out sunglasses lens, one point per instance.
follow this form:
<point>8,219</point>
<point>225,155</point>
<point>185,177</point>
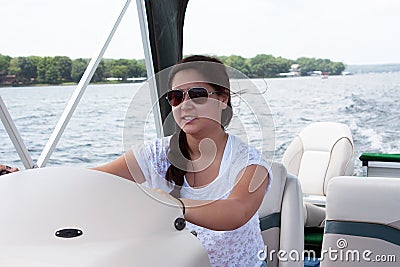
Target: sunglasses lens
<point>175,97</point>
<point>199,95</point>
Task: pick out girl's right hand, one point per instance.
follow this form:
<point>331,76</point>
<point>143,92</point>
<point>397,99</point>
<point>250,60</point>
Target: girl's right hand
<point>4,169</point>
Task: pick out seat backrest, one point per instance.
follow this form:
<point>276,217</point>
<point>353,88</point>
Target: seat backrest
<point>320,151</point>
<point>281,216</point>
<point>292,223</point>
<point>363,221</point>
<point>270,210</point>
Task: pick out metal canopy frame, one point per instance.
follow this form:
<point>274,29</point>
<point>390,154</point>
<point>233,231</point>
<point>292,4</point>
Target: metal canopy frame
<point>78,93</point>
<point>144,29</point>
<point>68,111</point>
<point>161,24</point>
<point>15,136</point>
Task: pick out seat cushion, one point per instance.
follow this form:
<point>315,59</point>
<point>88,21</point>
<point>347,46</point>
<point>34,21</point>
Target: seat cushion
<point>321,151</point>
<point>362,216</point>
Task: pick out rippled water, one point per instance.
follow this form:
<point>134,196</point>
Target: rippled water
<point>368,103</point>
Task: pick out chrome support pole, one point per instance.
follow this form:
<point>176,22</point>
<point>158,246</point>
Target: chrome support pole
<point>15,137</point>
<point>144,29</point>
<point>78,93</point>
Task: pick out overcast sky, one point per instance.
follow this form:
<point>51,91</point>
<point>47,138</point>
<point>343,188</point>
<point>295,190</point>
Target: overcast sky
<point>351,31</point>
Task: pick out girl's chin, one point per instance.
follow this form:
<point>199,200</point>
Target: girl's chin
<point>192,128</point>
<point>187,128</point>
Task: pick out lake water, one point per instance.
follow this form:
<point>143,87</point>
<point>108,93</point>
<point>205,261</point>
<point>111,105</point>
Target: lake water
<point>368,103</point>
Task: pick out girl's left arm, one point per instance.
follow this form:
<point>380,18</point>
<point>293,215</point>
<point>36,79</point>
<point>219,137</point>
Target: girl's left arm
<point>233,212</point>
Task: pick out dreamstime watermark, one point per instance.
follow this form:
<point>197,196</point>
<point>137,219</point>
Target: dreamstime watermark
<point>331,254</point>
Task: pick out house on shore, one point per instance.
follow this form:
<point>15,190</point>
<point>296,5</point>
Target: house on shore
<point>8,79</point>
<point>294,71</point>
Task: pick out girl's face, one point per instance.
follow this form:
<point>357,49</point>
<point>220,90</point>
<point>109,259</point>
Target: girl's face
<point>195,118</point>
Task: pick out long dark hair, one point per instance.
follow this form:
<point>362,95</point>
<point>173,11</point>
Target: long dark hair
<point>214,71</point>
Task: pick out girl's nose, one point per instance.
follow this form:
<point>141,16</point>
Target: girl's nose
<point>186,96</point>
<point>187,102</point>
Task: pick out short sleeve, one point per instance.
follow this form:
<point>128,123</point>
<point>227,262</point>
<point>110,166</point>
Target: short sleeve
<point>250,156</point>
<point>153,161</point>
<point>257,158</point>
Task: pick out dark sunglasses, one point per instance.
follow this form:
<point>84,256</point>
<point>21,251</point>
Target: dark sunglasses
<point>198,95</point>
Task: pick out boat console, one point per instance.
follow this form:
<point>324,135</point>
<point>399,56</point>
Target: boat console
<point>62,216</point>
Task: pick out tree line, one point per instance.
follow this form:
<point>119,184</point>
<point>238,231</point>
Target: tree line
<point>62,69</point>
<point>268,66</point>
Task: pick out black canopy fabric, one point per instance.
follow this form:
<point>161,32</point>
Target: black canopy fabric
<point>165,22</point>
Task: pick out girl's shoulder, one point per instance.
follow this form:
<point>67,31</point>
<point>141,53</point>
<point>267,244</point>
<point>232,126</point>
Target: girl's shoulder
<point>157,145</point>
<point>244,154</point>
<point>243,149</point>
<point>152,150</point>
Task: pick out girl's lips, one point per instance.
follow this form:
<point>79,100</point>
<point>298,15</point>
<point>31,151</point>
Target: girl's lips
<point>188,118</point>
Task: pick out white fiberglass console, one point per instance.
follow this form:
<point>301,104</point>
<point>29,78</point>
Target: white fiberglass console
<point>78,217</point>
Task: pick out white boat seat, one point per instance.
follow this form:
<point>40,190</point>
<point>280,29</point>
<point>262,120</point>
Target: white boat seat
<point>314,215</point>
<point>281,216</point>
<point>363,215</point>
<point>270,210</point>
<point>83,218</point>
<point>320,151</point>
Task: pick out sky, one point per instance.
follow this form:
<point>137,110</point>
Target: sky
<point>349,31</point>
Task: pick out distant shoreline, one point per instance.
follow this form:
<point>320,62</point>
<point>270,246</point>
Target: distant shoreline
<point>60,84</point>
<point>373,68</point>
<point>361,71</point>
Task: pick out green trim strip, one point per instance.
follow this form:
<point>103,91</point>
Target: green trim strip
<point>314,238</point>
<point>270,221</point>
<point>380,157</point>
<point>364,229</point>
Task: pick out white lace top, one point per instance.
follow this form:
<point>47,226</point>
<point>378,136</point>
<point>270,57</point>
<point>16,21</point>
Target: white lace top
<point>238,247</point>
